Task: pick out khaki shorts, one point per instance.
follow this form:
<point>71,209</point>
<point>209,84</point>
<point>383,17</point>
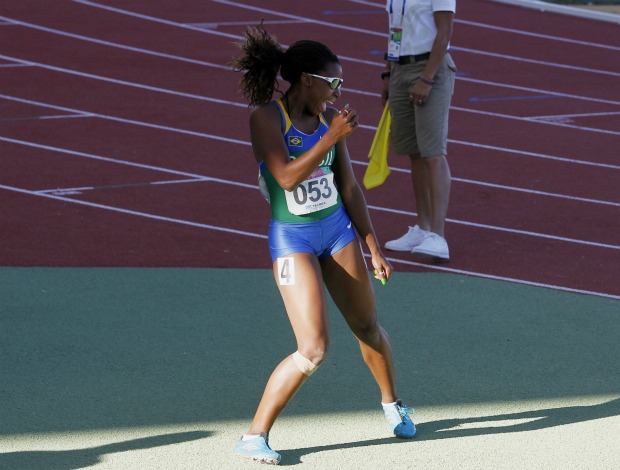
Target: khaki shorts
<point>421,130</point>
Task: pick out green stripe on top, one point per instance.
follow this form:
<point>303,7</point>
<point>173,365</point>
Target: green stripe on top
<point>298,143</point>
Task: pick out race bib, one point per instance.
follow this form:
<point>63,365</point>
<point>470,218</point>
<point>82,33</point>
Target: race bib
<point>316,193</point>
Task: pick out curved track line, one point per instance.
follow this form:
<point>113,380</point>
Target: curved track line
<point>510,188</point>
<point>123,82</point>
<point>257,235</point>
<point>334,25</point>
<point>508,30</point>
<point>132,212</point>
<point>113,44</point>
<point>211,136</point>
<point>383,35</point>
<point>533,61</point>
<point>351,59</point>
<point>127,121</point>
<point>378,208</point>
<point>232,103</point>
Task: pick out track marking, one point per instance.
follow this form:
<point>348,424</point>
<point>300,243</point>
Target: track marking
<point>264,237</point>
<point>531,154</point>
<point>124,82</point>
<point>91,156</point>
<point>533,61</point>
<point>335,25</point>
<point>246,143</point>
<point>211,26</point>
<point>560,116</point>
<point>380,64</point>
<point>537,121</point>
<point>40,118</point>
<point>221,67</point>
<point>502,229</point>
<point>116,45</point>
<point>425,266</point>
<point>242,105</point>
<point>508,30</point>
<point>510,188</point>
<point>254,187</point>
<point>82,189</point>
<point>129,121</point>
<point>383,35</point>
<point>499,278</point>
<point>135,213</point>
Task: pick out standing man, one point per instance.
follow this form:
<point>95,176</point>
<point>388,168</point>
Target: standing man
<point>418,83</point>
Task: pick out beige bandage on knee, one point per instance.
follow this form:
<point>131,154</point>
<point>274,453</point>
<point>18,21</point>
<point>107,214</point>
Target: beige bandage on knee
<point>304,364</point>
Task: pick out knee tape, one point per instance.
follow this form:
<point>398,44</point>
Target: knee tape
<point>304,364</point>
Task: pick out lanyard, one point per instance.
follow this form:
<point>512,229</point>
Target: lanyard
<point>402,13</point>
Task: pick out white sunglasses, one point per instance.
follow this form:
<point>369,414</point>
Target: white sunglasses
<point>334,82</point>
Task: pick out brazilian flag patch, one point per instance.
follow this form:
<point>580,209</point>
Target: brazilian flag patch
<point>295,141</point>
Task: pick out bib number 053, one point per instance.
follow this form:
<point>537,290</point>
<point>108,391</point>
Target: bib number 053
<point>312,195</point>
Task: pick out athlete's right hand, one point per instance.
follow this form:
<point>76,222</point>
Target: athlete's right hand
<point>344,123</point>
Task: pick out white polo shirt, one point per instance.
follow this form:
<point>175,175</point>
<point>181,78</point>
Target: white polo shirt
<point>418,24</point>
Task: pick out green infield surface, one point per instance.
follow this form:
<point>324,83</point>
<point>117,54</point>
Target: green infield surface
<point>133,368</point>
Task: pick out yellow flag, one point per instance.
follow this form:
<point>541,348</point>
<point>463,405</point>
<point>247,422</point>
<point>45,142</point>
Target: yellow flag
<point>378,169</point>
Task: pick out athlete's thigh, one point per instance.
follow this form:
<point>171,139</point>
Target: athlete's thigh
<point>300,282</point>
<point>348,281</point>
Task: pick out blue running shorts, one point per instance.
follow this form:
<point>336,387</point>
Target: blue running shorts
<point>322,237</point>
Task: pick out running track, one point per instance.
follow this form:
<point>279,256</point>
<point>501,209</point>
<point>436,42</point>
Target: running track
<point>124,140</point>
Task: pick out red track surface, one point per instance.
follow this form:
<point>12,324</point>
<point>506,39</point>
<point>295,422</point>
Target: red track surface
<point>111,103</point>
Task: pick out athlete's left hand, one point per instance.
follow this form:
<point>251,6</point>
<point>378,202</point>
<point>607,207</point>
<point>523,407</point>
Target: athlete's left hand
<point>382,267</point>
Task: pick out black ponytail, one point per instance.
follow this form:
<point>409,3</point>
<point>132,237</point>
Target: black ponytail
<point>262,58</point>
<point>260,61</point>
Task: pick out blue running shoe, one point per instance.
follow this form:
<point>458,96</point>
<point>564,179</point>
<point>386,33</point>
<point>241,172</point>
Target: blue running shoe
<point>398,416</point>
<point>257,449</point>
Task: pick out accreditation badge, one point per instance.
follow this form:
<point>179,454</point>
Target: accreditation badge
<point>396,36</point>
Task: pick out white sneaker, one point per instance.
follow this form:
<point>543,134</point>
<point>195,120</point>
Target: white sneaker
<point>408,241</point>
<point>433,245</point>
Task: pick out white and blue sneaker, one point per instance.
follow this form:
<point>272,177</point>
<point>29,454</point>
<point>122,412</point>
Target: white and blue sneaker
<point>398,417</point>
<point>257,448</point>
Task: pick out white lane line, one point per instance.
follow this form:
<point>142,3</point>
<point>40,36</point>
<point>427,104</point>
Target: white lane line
<point>135,213</point>
<point>242,105</point>
<point>222,67</point>
<point>532,154</point>
<point>224,23</point>
<point>562,116</point>
<point>383,34</point>
<point>539,90</point>
<point>82,189</point>
<point>535,121</point>
<point>246,143</point>
<point>508,30</point>
<point>264,237</point>
<point>128,121</point>
<point>245,185</point>
<point>534,61</point>
<point>510,188</point>
<point>124,82</point>
<point>117,161</point>
<point>116,45</point>
<point>299,19</point>
<point>502,229</point>
<point>500,278</point>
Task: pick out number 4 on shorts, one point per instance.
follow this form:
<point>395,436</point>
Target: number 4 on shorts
<point>286,271</point>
